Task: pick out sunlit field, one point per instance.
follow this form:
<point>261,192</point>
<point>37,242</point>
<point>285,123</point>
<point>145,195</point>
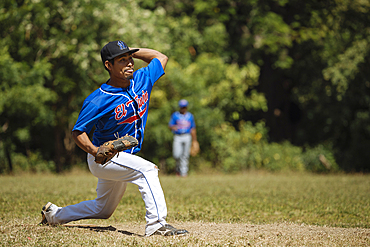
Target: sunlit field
<point>247,199</point>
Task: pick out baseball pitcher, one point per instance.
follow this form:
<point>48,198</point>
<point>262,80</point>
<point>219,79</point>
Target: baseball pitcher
<point>119,112</point>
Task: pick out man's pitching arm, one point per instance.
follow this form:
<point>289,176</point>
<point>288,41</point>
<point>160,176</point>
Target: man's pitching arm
<point>148,55</point>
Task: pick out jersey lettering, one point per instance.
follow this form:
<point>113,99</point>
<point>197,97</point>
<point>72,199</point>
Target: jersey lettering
<point>132,119</point>
<point>120,111</point>
<point>183,124</point>
<point>129,102</point>
<point>141,101</point>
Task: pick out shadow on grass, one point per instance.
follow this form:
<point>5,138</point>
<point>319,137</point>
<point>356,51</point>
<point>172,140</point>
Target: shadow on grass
<point>103,229</point>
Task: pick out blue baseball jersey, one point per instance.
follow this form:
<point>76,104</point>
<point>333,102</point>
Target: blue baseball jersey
<point>116,112</point>
<point>184,122</point>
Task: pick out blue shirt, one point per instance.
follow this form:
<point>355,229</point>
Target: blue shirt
<point>184,122</point>
<point>116,112</point>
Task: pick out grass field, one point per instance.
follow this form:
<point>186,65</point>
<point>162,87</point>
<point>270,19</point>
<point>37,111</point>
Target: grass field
<point>236,205</point>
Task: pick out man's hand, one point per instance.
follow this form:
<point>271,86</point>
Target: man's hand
<point>173,127</point>
<point>194,150</point>
<point>108,149</point>
<point>148,55</point>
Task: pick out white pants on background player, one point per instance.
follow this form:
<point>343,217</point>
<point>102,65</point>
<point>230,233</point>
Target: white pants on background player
<point>112,181</point>
<point>181,151</point>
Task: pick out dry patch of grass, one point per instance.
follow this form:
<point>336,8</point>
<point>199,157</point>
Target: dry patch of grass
<point>218,210</point>
<point>200,234</point>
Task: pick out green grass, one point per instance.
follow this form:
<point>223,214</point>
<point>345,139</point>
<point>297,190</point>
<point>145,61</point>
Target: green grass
<point>264,209</point>
<point>334,200</point>
<point>255,198</point>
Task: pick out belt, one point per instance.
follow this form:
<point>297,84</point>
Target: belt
<point>183,134</point>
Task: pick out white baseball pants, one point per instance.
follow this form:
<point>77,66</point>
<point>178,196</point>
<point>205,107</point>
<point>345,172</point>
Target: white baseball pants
<point>181,151</point>
<point>112,181</point>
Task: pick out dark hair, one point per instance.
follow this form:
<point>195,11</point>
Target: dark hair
<point>111,61</point>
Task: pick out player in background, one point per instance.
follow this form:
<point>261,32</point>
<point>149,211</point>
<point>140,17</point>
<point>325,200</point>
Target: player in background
<point>119,107</point>
<point>183,127</point>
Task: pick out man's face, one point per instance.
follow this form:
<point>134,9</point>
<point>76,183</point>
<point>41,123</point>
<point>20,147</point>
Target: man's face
<point>183,109</point>
<point>123,67</point>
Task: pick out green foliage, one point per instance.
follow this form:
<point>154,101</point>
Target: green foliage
<point>339,90</point>
<point>248,148</point>
<point>213,39</point>
<point>320,159</point>
<point>282,157</point>
<point>212,95</point>
<point>234,150</point>
<point>32,163</point>
<point>343,71</point>
<point>228,58</point>
<point>273,32</point>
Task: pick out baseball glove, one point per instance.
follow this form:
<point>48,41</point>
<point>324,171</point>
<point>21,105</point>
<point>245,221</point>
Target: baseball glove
<point>108,149</point>
<point>194,149</point>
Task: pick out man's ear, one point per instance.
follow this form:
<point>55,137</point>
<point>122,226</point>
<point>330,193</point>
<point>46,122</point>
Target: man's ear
<point>108,65</point>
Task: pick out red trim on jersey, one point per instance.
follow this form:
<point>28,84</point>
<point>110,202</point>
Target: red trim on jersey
<point>132,119</point>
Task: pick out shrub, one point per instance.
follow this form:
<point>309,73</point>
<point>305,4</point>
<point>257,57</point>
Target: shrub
<point>284,156</point>
<point>233,149</point>
<point>31,163</point>
<point>319,159</point>
<point>249,148</point>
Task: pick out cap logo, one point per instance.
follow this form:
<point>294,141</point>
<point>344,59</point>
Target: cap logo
<point>121,45</point>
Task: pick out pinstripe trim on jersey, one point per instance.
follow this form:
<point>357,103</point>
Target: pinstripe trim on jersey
<point>132,106</point>
<point>121,94</point>
<point>135,95</point>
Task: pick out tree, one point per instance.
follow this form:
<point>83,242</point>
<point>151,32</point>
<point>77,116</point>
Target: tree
<point>47,46</point>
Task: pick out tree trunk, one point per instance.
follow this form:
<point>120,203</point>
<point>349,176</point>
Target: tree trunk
<point>283,114</point>
<point>9,158</point>
<point>58,150</point>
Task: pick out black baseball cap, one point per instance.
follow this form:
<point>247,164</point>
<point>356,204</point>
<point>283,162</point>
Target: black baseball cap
<point>114,49</point>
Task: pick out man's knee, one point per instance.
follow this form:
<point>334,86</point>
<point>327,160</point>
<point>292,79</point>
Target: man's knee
<point>103,211</point>
<point>105,215</point>
<point>151,167</point>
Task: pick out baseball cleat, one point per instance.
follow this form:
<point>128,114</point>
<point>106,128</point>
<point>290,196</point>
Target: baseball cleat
<point>168,230</point>
<point>45,209</point>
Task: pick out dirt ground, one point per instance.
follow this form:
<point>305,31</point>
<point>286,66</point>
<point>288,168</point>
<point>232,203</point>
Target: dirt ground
<point>212,234</point>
